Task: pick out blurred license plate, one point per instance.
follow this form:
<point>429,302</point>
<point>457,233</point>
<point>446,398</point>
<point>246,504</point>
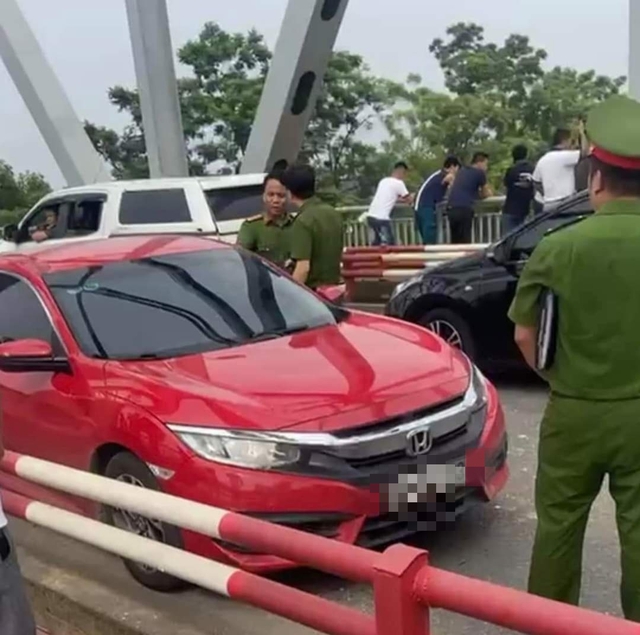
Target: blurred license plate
<point>424,485</point>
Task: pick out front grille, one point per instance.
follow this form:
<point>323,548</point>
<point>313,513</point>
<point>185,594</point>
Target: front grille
<point>400,455</point>
<point>389,528</point>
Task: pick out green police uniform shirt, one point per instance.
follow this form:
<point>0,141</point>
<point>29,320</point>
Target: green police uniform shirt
<point>317,237</point>
<point>594,269</point>
<point>270,238</point>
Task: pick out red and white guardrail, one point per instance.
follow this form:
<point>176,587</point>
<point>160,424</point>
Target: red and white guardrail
<point>398,263</point>
<point>405,585</point>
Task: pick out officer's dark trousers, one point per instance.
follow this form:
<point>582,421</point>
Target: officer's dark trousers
<point>580,443</point>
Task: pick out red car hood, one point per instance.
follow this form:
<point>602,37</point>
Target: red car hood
<point>366,369</point>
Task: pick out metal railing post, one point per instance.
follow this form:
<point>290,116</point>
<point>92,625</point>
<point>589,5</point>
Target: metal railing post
<point>397,612</point>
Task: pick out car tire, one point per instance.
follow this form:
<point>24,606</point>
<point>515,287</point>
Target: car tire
<point>127,468</point>
<point>452,328</point>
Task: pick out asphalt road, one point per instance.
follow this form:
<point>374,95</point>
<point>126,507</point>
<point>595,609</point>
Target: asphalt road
<point>492,543</point>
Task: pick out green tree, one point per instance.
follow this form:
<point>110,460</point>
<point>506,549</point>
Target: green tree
<point>527,100</point>
<point>19,192</point>
<point>498,95</point>
<point>33,187</point>
<point>352,101</point>
<point>219,102</point>
<point>10,194</point>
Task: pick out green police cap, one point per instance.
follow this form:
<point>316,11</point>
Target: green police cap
<point>613,127</point>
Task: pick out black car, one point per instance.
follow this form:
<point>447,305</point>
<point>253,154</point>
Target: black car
<point>466,301</point>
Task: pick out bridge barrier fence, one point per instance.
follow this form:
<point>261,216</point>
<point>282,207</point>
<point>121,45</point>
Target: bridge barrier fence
<point>405,585</point>
<point>394,264</point>
<point>487,225</point>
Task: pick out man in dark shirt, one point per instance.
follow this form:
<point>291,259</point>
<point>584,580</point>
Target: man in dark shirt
<point>469,186</point>
<point>431,194</point>
<point>518,181</point>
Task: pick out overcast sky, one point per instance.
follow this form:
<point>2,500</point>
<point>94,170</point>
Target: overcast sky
<point>87,44</point>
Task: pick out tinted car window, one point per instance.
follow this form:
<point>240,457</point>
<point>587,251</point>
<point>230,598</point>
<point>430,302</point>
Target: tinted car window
<point>22,315</point>
<point>527,241</point>
<point>154,206</point>
<point>84,218</point>
<point>181,304</point>
<point>235,203</point>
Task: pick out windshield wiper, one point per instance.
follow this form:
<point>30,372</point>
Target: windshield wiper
<point>276,333</point>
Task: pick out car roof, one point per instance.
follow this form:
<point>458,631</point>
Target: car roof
<point>220,182</point>
<point>46,259</point>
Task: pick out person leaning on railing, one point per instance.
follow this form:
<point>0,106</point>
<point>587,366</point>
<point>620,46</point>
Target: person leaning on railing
<point>431,194</point>
<point>390,191</point>
<point>469,186</point>
<point>16,617</point>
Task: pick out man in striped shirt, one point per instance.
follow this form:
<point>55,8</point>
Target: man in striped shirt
<point>431,194</point>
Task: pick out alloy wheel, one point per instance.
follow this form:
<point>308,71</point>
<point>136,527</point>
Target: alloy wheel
<point>447,332</point>
<point>135,523</point>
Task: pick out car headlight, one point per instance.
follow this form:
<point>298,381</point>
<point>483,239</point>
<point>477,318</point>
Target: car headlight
<point>477,387</point>
<point>236,448</point>
<point>403,286</point>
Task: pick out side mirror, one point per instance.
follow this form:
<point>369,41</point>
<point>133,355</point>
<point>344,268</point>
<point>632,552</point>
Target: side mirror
<point>336,294</point>
<point>31,356</point>
<point>10,233</point>
<point>501,252</point>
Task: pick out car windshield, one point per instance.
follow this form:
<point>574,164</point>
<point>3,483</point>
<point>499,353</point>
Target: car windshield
<point>182,304</point>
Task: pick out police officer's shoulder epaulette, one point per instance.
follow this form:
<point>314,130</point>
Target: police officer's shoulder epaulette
<point>253,219</point>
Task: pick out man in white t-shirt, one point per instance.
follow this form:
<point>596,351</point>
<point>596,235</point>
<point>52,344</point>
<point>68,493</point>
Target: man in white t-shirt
<point>391,191</point>
<point>555,174</point>
<point>16,617</point>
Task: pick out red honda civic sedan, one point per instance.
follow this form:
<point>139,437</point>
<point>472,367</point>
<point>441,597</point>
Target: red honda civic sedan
<point>189,366</point>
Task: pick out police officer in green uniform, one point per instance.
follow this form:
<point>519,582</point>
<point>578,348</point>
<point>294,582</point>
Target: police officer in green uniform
<point>269,233</point>
<point>317,239</point>
<point>591,427</point>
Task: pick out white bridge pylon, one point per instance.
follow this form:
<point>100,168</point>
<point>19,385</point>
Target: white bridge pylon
<point>46,99</point>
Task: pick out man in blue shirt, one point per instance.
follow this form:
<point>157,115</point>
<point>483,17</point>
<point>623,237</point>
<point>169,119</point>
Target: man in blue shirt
<point>468,187</point>
<point>431,194</point>
<point>518,182</point>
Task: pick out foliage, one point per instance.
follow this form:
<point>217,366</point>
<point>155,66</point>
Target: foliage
<point>19,192</point>
<point>219,102</point>
<point>351,102</point>
<point>498,95</point>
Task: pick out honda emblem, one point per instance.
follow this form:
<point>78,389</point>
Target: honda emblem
<point>419,442</point>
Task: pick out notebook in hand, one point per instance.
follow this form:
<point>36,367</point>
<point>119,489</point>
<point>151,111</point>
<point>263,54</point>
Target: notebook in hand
<point>547,331</point>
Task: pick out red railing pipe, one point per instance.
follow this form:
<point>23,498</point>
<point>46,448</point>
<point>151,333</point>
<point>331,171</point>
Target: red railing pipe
<point>325,554</point>
<point>516,610</point>
<point>311,610</point>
